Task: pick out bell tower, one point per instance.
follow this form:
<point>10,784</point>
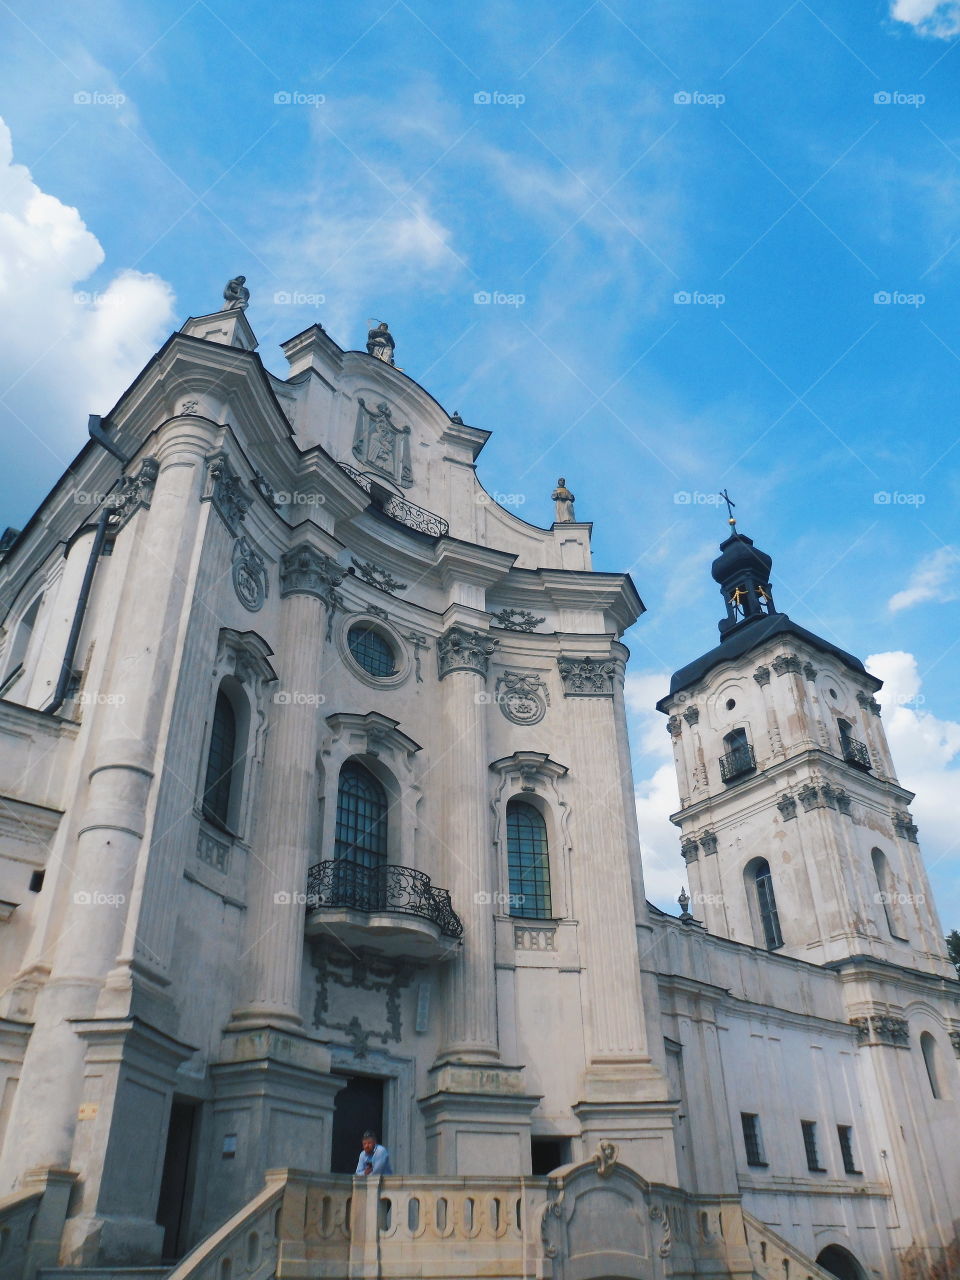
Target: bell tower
<point>796,833</point>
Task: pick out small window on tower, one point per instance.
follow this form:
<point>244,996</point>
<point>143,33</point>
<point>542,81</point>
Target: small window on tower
<point>751,1140</point>
<point>809,1128</point>
<point>845,1134</point>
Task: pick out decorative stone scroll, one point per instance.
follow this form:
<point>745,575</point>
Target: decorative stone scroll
<point>306,571</point>
<point>708,842</point>
<point>810,797</point>
<point>882,1028</point>
<point>692,715</point>
<point>419,642</point>
<point>785,663</point>
<point>226,491</point>
<point>868,702</point>
<point>762,675</point>
<point>522,697</point>
<point>955,1041</point>
<point>606,1157</point>
<point>674,727</point>
<point>516,620</point>
<point>134,492</point>
<point>376,576</point>
<point>249,574</point>
<point>587,677</point>
<point>810,671</point>
<point>461,650</point>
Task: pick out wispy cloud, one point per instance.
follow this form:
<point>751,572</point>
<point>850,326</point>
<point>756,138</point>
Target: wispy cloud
<point>938,18</point>
<point>932,579</point>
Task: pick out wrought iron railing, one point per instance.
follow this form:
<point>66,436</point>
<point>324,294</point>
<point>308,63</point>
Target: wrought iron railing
<point>342,882</point>
<point>855,752</point>
<point>400,509</point>
<point>737,762</point>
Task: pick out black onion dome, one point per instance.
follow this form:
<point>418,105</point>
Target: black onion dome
<point>739,556</point>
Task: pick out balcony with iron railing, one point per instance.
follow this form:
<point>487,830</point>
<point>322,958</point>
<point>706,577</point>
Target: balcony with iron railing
<point>855,752</point>
<point>397,508</point>
<point>737,763</point>
<point>392,909</point>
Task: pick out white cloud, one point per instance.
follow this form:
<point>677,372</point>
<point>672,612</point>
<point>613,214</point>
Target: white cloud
<point>939,18</point>
<point>64,350</point>
<point>926,753</point>
<point>656,796</point>
<point>929,581</point>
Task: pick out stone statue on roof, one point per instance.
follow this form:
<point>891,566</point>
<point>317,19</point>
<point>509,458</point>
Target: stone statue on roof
<point>380,343</point>
<point>235,295</point>
<point>564,503</point>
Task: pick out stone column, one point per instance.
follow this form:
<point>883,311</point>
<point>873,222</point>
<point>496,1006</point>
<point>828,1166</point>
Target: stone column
<point>96,886</point>
<point>462,780</point>
<point>477,1118</point>
<point>281,850</point>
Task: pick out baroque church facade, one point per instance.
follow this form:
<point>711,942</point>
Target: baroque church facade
<point>318,817</point>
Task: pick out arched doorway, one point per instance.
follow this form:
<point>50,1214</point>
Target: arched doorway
<point>840,1263</point>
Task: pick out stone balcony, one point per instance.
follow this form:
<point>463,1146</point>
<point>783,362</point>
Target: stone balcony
<point>394,910</point>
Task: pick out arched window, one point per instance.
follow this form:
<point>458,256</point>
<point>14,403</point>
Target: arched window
<point>931,1056</point>
<point>361,834</point>
<point>767,904</point>
<point>221,762</point>
<point>737,758</point>
<point>528,861</point>
<point>886,893</point>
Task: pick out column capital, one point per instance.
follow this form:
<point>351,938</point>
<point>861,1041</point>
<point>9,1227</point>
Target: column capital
<point>459,649</point>
<point>306,571</point>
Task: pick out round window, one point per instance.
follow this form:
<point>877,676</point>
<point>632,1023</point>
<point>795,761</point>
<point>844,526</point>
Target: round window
<point>730,704</point>
<point>374,653</point>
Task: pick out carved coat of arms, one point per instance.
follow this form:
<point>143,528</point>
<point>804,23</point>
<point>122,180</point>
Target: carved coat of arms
<point>379,443</point>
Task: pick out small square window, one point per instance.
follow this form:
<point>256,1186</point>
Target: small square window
<point>809,1128</point>
<point>36,881</point>
<point>751,1139</point>
<point>845,1134</point>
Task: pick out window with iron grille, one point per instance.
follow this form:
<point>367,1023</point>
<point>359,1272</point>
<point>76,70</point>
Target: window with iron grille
<point>528,861</point>
<point>373,652</point>
<point>767,905</point>
<point>845,1134</point>
<point>221,759</point>
<point>361,834</point>
<point>751,1139</point>
<point>809,1128</point>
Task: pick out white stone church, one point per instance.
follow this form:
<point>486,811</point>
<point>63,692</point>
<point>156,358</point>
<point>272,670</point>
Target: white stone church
<point>317,818</point>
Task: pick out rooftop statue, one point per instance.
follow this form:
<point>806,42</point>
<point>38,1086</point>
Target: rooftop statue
<point>380,343</point>
<point>235,295</point>
<point>564,502</point>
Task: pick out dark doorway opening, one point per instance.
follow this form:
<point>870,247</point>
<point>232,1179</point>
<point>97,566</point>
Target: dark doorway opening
<point>176,1185</point>
<point>357,1107</point>
<point>840,1263</point>
<point>547,1154</point>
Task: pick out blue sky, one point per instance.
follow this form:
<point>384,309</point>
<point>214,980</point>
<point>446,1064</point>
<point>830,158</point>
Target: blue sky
<point>783,166</point>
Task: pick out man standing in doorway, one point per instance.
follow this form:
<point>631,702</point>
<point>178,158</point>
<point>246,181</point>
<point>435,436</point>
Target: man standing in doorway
<point>373,1157</point>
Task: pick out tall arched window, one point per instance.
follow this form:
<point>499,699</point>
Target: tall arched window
<point>21,640</point>
<point>528,861</point>
<point>221,762</point>
<point>767,905</point>
<point>886,892</point>
<point>928,1047</point>
<point>361,817</point>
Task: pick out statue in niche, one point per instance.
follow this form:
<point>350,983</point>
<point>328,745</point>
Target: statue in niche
<point>380,343</point>
<point>236,295</point>
<point>564,503</point>
<point>379,443</point>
